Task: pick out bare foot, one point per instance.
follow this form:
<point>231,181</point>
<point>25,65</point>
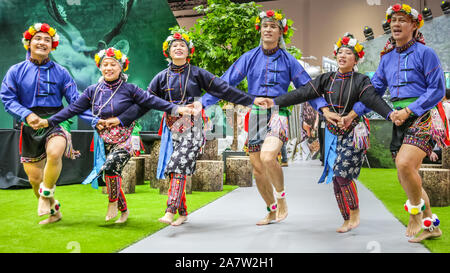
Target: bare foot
<point>426,234</point>
<point>282,211</point>
<point>112,211</point>
<point>271,216</point>
<point>354,219</point>
<point>167,218</point>
<point>44,205</point>
<point>51,219</point>
<point>414,225</point>
<point>123,217</point>
<point>179,221</point>
<point>345,227</point>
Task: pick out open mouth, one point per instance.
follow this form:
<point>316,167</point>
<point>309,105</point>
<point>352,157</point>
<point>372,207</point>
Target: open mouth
<point>396,31</point>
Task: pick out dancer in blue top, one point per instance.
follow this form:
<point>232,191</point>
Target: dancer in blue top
<point>413,73</point>
<point>34,89</point>
<point>269,69</point>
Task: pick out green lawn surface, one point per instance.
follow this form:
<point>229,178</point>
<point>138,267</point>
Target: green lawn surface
<point>385,186</point>
<point>83,227</point>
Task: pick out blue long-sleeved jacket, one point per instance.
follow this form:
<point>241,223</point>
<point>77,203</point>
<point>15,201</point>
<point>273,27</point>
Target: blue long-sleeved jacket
<point>27,85</point>
<point>267,75</point>
<point>413,73</point>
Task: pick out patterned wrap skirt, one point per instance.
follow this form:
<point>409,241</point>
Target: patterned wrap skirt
<point>187,140</point>
<point>118,148</point>
<point>349,158</point>
<point>414,131</point>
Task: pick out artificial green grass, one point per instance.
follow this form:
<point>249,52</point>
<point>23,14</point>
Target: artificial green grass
<point>83,227</point>
<point>384,184</point>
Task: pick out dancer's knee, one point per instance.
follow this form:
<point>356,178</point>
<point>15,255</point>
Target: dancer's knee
<point>403,164</point>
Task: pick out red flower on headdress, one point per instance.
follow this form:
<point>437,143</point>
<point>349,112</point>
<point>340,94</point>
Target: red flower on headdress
<point>45,27</point>
<point>27,35</point>
<point>335,53</point>
<point>389,20</point>
<point>286,28</point>
<point>396,7</point>
<point>110,52</point>
<point>419,18</point>
<point>127,62</point>
<point>192,50</point>
<point>177,36</point>
<point>270,13</point>
<point>257,27</point>
<point>361,54</point>
<point>55,44</point>
<point>165,54</point>
<point>345,40</point>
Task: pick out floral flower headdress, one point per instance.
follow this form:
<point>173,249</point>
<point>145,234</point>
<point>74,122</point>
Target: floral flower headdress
<point>350,42</point>
<point>116,54</point>
<point>40,27</point>
<point>406,9</point>
<point>277,15</point>
<point>178,34</point>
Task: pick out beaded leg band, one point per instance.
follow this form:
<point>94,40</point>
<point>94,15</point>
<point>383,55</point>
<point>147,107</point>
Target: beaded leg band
<point>55,207</point>
<point>414,210</point>
<point>273,207</point>
<point>281,195</point>
<point>46,192</point>
<point>430,223</point>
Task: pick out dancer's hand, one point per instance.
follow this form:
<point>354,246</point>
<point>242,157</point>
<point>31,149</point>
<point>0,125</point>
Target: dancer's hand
<point>185,110</point>
<point>33,120</point>
<point>264,102</point>
<point>43,123</point>
<point>112,122</point>
<point>346,120</point>
<point>434,157</point>
<point>401,116</point>
<point>331,117</point>
<point>101,124</point>
<point>196,107</point>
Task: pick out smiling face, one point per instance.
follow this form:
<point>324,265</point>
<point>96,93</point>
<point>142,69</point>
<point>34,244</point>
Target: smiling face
<point>40,45</point>
<point>346,59</point>
<point>402,28</point>
<point>270,32</point>
<point>178,51</point>
<point>110,69</point>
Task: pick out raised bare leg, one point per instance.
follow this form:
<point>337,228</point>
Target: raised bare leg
<point>269,153</point>
<point>264,187</point>
<point>408,161</point>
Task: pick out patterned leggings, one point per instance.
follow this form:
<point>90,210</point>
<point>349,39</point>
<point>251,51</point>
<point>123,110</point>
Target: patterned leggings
<point>346,195</point>
<point>116,160</point>
<point>177,194</point>
<point>115,192</point>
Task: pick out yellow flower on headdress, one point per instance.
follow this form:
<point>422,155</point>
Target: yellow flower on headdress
<point>257,21</point>
<point>421,23</point>
<point>358,47</point>
<point>278,16</point>
<point>165,45</point>
<point>52,31</point>
<point>32,31</point>
<point>185,36</point>
<point>97,58</point>
<point>118,54</point>
<point>406,8</point>
<point>339,43</point>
